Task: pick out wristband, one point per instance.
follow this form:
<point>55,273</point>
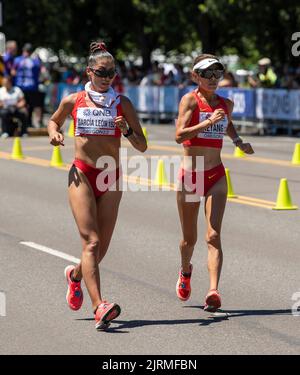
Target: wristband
<point>211,123</point>
<point>236,140</point>
<point>129,132</point>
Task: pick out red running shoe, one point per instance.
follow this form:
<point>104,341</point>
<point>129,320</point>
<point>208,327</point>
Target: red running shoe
<point>74,293</point>
<point>183,286</point>
<point>212,301</point>
<point>105,313</point>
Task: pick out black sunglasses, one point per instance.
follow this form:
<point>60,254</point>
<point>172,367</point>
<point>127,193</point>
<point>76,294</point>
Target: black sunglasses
<point>103,73</point>
<point>209,73</point>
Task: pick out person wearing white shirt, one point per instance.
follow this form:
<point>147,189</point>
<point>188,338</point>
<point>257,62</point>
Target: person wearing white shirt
<point>12,105</point>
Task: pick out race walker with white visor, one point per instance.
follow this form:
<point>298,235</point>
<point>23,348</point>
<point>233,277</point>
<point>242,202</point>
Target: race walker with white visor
<point>206,63</point>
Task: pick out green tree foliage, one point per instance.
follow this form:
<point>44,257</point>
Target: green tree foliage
<point>40,22</point>
<point>250,28</point>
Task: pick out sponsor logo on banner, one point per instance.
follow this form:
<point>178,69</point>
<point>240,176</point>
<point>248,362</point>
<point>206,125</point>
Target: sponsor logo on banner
<point>278,104</point>
<point>239,102</point>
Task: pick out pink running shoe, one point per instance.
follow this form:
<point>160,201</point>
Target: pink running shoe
<point>105,313</point>
<point>183,286</point>
<point>212,301</point>
<point>74,294</point>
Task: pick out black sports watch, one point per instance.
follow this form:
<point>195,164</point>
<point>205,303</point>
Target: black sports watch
<point>129,132</point>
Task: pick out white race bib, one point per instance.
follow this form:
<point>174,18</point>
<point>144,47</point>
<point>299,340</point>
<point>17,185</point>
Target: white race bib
<point>96,121</point>
<point>215,131</point>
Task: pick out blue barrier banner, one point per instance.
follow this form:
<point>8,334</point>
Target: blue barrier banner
<point>278,104</point>
<point>153,99</point>
<point>244,101</point>
<point>65,89</point>
<point>248,103</point>
<point>148,99</point>
<point>132,93</point>
<point>185,90</point>
<point>168,99</point>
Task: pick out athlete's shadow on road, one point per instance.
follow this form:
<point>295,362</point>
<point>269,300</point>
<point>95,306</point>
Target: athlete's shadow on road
<point>237,313</point>
<point>118,326</point>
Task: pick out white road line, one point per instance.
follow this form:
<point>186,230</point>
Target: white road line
<point>50,251</point>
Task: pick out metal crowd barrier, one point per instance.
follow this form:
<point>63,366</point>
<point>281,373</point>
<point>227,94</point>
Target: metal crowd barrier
<point>266,111</point>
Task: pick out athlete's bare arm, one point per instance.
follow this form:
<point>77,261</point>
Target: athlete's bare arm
<point>232,133</point>
<point>58,118</point>
<point>186,107</point>
<point>137,139</point>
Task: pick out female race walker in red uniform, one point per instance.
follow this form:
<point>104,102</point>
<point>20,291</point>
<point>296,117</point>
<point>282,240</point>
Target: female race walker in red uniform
<point>100,117</point>
<point>204,118</point>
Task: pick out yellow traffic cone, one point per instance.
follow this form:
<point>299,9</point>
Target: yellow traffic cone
<point>71,129</point>
<point>161,176</point>
<point>230,192</point>
<point>238,153</point>
<point>56,160</point>
<point>284,201</point>
<point>17,152</point>
<point>145,134</point>
<point>296,154</point>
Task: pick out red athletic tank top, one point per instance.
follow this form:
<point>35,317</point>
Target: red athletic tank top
<point>213,135</point>
<point>95,120</point>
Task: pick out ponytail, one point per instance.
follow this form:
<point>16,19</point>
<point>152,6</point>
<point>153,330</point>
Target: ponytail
<point>98,50</point>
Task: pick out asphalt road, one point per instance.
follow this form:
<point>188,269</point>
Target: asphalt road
<point>260,273</point>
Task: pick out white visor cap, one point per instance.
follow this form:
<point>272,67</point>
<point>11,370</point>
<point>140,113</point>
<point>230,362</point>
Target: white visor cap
<point>206,63</point>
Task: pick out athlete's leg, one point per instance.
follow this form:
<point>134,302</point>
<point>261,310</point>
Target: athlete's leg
<point>215,202</point>
<point>84,208</point>
<point>188,213</point>
<point>107,213</point>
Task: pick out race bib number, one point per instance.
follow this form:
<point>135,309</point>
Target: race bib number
<point>215,131</point>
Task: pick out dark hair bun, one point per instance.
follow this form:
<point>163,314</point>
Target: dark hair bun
<point>97,47</point>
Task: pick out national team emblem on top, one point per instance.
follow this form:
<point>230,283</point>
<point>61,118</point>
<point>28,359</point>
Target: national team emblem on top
<point>87,112</point>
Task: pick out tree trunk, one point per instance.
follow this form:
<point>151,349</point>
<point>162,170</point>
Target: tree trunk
<point>207,34</point>
<point>146,50</point>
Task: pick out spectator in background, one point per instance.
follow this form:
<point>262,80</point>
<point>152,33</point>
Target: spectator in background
<point>2,70</point>
<point>228,80</point>
<point>131,77</point>
<point>179,74</point>
<point>12,105</point>
<point>266,77</point>
<point>297,77</point>
<point>10,55</point>
<point>71,76</point>
<point>170,79</point>
<point>44,82</point>
<point>288,79</point>
<point>26,69</point>
<point>84,78</point>
<point>55,74</point>
<point>154,76</point>
<point>121,70</point>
